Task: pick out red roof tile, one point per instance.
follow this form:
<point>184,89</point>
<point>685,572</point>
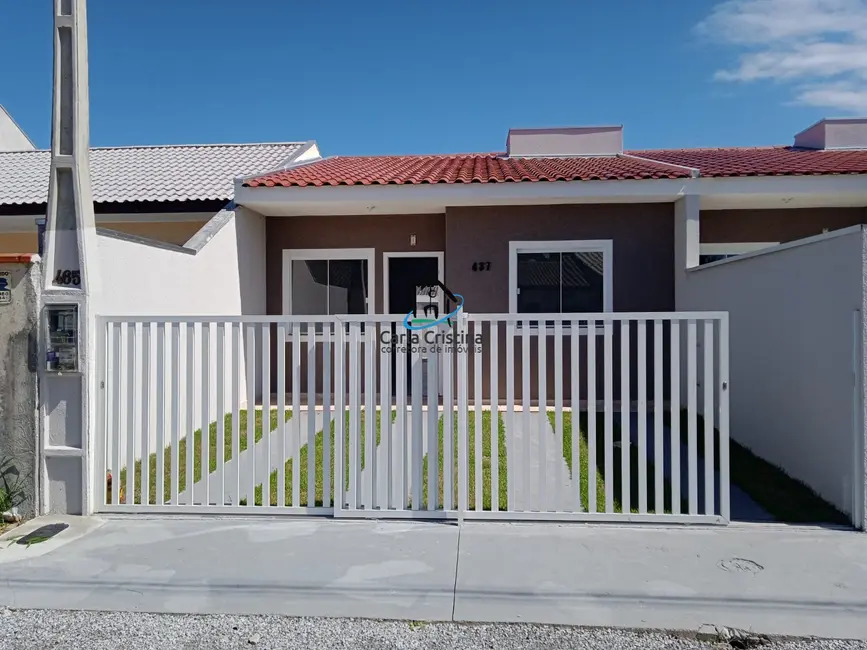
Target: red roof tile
<point>763,161</point>
<point>464,168</point>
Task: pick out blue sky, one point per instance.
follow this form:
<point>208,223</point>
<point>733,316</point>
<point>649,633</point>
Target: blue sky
<point>382,76</point>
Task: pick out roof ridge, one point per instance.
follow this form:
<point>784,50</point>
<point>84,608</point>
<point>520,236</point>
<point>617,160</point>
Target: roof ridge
<point>741,148</point>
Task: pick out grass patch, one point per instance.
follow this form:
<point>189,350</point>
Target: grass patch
<point>785,498</point>
<point>616,478</point>
<point>197,457</point>
<point>486,479</point>
<point>319,494</point>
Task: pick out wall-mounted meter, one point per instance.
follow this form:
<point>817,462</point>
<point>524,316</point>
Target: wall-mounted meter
<point>62,338</point>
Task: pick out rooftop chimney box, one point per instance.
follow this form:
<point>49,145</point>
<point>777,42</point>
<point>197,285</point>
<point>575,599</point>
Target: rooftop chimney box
<point>567,141</point>
<point>834,133</point>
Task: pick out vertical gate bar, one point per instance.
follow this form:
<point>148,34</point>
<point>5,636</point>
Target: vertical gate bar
<point>592,458</point>
<point>625,418</point>
<point>559,504</point>
<point>658,423</point>
<point>575,412</point>
<point>399,350</point>
<point>674,444</point>
<point>479,479</point>
<point>383,489</point>
<point>724,417</point>
<point>265,332</point>
<point>221,413</point>
<point>417,451</point>
<point>134,411</point>
<point>119,405</point>
<point>525,487</point>
<point>161,387</point>
<point>542,415</point>
<point>327,361</point>
<point>146,420</point>
<point>281,414</point>
<point>511,446</point>
<point>339,417</point>
<point>354,414</point>
<point>370,415</point>
<point>463,415</point>
<point>311,414</point>
<point>432,430</point>
<point>692,434</point>
<point>205,464</point>
<point>175,392</point>
<point>495,417</point>
<point>103,446</point>
<point>709,436</point>
<point>295,436</point>
<point>448,426</point>
<point>641,359</point>
<point>608,363</point>
<point>251,414</point>
<point>236,409</point>
<point>189,332</point>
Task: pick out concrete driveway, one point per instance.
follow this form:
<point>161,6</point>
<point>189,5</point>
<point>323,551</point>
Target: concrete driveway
<point>771,578</point>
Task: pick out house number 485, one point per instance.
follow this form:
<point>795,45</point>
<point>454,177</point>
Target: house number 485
<point>67,278</point>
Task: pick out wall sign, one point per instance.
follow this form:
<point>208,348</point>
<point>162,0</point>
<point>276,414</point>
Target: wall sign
<point>5,289</point>
<point>481,266</point>
<point>65,277</point>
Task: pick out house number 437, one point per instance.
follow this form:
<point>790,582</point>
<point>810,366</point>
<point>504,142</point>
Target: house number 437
<point>67,278</point>
<point>481,266</point>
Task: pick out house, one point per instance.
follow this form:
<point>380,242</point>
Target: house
<point>164,193</point>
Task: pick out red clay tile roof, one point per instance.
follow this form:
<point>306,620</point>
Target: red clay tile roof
<point>463,168</point>
<point>496,168</point>
<point>763,161</point>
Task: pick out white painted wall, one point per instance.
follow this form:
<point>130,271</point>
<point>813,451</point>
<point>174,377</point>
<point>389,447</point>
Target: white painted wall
<point>793,330</point>
<point>225,278</point>
<point>12,138</point>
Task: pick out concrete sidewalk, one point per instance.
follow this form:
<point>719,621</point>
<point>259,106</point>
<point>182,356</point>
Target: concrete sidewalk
<point>772,579</point>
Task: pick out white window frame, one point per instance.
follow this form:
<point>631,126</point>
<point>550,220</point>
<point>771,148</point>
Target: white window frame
<point>605,246</point>
<point>305,254</point>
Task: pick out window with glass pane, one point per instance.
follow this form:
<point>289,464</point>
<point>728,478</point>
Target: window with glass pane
<point>329,287</point>
<point>560,282</point>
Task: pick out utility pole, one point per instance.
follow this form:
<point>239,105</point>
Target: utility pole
<point>68,363</point>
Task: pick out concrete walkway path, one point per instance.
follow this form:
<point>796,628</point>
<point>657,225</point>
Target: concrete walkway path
<point>742,505</point>
<point>557,495</point>
<point>768,578</point>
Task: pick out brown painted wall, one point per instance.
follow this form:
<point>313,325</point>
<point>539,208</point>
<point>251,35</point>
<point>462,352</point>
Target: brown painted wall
<point>735,226</point>
<point>384,233</point>
<point>643,237</point>
<point>18,242</point>
<point>643,242</point>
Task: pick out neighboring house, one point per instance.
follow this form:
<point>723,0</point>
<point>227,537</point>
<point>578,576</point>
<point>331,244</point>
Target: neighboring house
<point>165,193</point>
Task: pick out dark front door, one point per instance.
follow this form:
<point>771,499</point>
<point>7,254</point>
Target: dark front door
<point>404,275</point>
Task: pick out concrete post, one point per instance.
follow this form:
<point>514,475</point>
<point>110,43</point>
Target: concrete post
<point>686,243</point>
<point>68,403</point>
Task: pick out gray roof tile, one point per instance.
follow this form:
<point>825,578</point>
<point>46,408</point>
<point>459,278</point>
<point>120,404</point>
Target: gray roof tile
<point>156,173</point>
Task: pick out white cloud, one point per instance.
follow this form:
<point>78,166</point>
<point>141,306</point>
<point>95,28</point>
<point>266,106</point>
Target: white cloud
<point>818,47</point>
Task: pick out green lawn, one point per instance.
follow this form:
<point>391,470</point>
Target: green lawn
<point>197,456</point>
<point>787,499</point>
<point>617,466</point>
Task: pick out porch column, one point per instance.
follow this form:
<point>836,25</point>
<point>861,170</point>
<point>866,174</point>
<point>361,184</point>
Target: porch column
<point>67,359</point>
<point>686,243</point>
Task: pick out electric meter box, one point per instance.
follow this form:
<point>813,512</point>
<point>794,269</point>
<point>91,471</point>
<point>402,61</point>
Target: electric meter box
<point>62,338</point>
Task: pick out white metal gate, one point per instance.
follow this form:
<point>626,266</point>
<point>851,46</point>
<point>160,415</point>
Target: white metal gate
<point>609,416</point>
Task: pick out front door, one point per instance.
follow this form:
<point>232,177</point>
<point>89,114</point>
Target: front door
<point>404,275</point>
